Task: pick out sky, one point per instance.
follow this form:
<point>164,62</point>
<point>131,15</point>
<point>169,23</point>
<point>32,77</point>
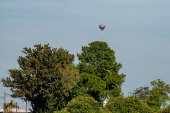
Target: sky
<point>137,30</point>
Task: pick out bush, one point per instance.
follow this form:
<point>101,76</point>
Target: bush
<point>127,105</point>
<point>83,105</point>
<point>61,111</point>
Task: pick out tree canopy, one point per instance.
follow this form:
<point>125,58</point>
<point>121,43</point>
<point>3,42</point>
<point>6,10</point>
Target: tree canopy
<point>142,93</point>
<point>158,94</point>
<point>99,70</point>
<point>165,110</point>
<point>157,97</point>
<point>45,77</point>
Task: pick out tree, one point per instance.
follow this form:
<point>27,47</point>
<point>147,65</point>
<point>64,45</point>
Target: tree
<point>6,107</point>
<point>9,106</point>
<point>99,70</point>
<point>142,93</point>
<point>165,110</point>
<point>127,105</point>
<point>45,77</point>
<point>158,94</point>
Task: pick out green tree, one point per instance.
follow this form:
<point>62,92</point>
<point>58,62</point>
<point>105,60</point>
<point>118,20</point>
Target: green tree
<point>45,77</point>
<point>142,93</point>
<point>165,110</point>
<point>99,70</point>
<point>127,105</point>
<point>158,94</point>
<point>9,106</point>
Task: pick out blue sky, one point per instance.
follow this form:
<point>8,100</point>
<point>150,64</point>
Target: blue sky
<point>137,30</point>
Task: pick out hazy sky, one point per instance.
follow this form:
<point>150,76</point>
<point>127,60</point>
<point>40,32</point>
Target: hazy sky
<point>137,30</point>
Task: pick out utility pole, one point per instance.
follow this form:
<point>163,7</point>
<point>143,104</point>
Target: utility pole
<point>4,97</point>
<point>26,106</point>
<point>4,102</point>
<point>16,107</point>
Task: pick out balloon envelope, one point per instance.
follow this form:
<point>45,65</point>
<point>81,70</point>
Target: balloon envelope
<point>102,26</point>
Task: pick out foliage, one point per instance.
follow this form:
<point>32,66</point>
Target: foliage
<point>78,90</point>
<point>45,77</point>
<point>165,110</point>
<point>158,94</point>
<point>142,93</point>
<point>127,105</point>
<point>83,105</point>
<point>62,111</point>
<point>99,70</point>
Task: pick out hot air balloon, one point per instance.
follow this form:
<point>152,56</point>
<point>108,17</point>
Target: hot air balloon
<point>102,27</point>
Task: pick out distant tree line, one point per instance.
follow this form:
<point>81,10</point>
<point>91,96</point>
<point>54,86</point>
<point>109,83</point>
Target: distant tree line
<point>48,78</point>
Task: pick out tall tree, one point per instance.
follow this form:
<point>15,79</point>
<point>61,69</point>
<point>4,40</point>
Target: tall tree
<point>99,70</point>
<point>45,77</point>
<point>158,94</point>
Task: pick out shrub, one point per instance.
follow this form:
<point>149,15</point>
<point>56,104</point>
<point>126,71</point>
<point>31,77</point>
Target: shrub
<point>127,105</point>
<point>84,105</point>
<point>61,111</point>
